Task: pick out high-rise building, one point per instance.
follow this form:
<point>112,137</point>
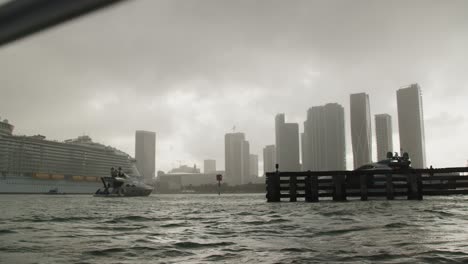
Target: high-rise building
<point>383,135</point>
<point>253,166</point>
<point>324,146</point>
<point>209,166</point>
<point>335,137</point>
<point>237,159</point>
<point>246,163</point>
<point>287,144</point>
<point>361,134</point>
<point>304,153</point>
<point>269,158</point>
<point>145,154</point>
<point>411,124</point>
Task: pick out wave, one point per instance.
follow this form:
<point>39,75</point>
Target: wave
<point>7,231</point>
<point>221,257</point>
<point>341,231</point>
<point>57,219</point>
<point>174,225</point>
<point>196,245</point>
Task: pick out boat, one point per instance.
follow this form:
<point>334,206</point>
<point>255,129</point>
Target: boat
<point>123,186</point>
<point>34,164</point>
<point>54,191</point>
<point>392,162</point>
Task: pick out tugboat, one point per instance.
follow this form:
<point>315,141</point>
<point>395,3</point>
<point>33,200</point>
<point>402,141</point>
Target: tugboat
<point>121,185</point>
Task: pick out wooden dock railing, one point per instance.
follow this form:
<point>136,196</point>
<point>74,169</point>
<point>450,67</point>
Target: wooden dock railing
<point>410,183</point>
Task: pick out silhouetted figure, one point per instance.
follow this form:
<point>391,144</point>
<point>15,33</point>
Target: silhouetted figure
<point>113,172</point>
<point>120,172</point>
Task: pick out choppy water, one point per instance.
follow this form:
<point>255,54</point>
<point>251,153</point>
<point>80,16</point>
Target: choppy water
<point>231,229</point>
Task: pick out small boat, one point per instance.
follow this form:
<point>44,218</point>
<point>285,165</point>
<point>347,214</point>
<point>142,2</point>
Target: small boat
<point>54,191</point>
<point>123,186</point>
<point>392,162</point>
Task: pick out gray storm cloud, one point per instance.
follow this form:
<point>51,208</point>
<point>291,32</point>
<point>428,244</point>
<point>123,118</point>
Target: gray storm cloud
<point>191,70</point>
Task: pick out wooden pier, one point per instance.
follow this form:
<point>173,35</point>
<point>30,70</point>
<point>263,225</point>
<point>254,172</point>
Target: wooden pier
<point>408,183</point>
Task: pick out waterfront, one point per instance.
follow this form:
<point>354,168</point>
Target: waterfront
<point>230,228</point>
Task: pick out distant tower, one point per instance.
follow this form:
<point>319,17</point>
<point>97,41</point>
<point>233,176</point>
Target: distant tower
<point>245,162</point>
<point>145,153</point>
<point>383,135</point>
<point>269,158</point>
<point>361,135</point>
<point>411,124</point>
<point>209,166</point>
<point>237,159</point>
<point>253,166</point>
<point>287,144</point>
<point>324,146</point>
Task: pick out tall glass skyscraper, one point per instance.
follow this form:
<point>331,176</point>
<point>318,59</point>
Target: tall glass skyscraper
<point>269,158</point>
<point>361,134</point>
<point>411,124</point>
<point>287,144</point>
<point>383,135</point>
<point>237,158</point>
<point>145,153</point>
<point>323,141</point>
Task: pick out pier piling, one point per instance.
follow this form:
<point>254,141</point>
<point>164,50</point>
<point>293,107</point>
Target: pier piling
<point>389,186</point>
<point>363,186</point>
<point>339,193</point>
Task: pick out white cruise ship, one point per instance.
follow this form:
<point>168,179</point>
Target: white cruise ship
<point>32,164</point>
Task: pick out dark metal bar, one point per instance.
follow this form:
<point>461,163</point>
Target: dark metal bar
<point>20,18</point>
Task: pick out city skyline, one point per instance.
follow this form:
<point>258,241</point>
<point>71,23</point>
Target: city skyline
<point>316,124</point>
<point>238,70</point>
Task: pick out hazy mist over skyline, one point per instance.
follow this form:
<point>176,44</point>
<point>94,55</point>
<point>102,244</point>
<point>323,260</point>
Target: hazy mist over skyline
<point>191,70</point>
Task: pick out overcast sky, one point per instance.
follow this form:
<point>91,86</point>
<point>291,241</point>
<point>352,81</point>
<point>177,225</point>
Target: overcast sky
<point>191,70</point>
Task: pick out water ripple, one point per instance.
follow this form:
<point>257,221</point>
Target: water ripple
<point>230,229</point>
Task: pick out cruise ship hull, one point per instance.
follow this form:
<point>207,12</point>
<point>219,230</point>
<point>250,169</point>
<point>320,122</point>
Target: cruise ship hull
<point>29,185</point>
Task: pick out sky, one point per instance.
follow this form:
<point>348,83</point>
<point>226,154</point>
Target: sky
<point>193,70</point>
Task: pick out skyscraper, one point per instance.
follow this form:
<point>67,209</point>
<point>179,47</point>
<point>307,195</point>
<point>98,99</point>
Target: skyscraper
<point>269,158</point>
<point>253,166</point>
<point>237,158</point>
<point>145,153</point>
<point>335,137</point>
<point>411,124</point>
<point>383,135</point>
<point>361,134</point>
<point>209,166</point>
<point>287,144</point>
<point>245,163</point>
<point>324,145</point>
<point>313,141</point>
<point>304,153</point>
